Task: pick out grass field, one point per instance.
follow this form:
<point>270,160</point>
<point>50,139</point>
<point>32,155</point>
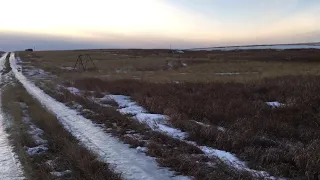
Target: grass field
<point>191,66</point>
<point>221,89</point>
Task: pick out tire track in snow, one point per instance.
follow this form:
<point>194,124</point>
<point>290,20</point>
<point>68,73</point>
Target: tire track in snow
<point>129,162</point>
<point>10,167</point>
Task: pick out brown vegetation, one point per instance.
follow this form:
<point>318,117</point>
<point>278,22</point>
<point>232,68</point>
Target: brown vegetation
<point>200,66</point>
<point>284,141</point>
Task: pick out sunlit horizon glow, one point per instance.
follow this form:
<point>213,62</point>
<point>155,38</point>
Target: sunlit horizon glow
<point>145,23</point>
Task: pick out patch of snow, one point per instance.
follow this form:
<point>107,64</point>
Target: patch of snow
<point>36,72</point>
<point>179,51</point>
<point>132,165</point>
<point>156,122</point>
<point>202,124</point>
<point>125,103</point>
<point>223,155</point>
<point>51,164</point>
<point>222,129</point>
<point>135,136</point>
<point>142,149</point>
<point>173,132</point>
<point>37,150</point>
<point>147,118</point>
<point>121,71</point>
<point>228,73</point>
<point>19,60</point>
<point>74,91</point>
<point>76,106</point>
<point>234,73</point>
<point>67,68</point>
<point>10,167</point>
<point>274,104</point>
<point>36,134</point>
<point>232,160</point>
<point>132,110</point>
<point>61,174</point>
<point>34,131</point>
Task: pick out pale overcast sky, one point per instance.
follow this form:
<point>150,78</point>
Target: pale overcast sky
<point>72,24</point>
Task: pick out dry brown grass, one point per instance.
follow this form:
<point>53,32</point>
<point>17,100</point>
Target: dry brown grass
<point>202,66</point>
<point>283,141</point>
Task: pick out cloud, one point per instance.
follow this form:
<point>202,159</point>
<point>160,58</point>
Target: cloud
<point>158,23</point>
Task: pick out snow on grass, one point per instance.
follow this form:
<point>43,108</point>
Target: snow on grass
<point>36,73</point>
<point>34,131</point>
<point>228,73</point>
<point>132,165</point>
<point>234,73</point>
<point>274,104</point>
<point>37,150</point>
<point>160,123</point>
<point>156,122</point>
<point>67,68</point>
<point>127,106</point>
<point>74,91</point>
<point>222,129</point>
<point>201,124</point>
<point>61,174</point>
<point>10,167</point>
<point>142,149</point>
<point>231,159</point>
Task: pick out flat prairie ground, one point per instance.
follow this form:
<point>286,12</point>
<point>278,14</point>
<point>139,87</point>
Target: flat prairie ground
<point>190,66</point>
<point>261,105</point>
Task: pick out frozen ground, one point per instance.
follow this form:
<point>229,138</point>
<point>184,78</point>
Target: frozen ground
<point>129,162</point>
<point>10,168</point>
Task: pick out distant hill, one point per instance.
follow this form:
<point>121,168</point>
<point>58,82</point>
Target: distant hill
<point>314,45</point>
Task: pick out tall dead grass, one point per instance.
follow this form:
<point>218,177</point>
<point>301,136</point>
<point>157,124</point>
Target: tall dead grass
<point>282,140</point>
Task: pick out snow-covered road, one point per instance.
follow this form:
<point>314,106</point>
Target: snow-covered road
<point>10,168</point>
<point>129,162</point>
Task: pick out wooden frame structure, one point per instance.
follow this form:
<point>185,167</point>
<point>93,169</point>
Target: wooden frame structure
<point>82,62</point>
